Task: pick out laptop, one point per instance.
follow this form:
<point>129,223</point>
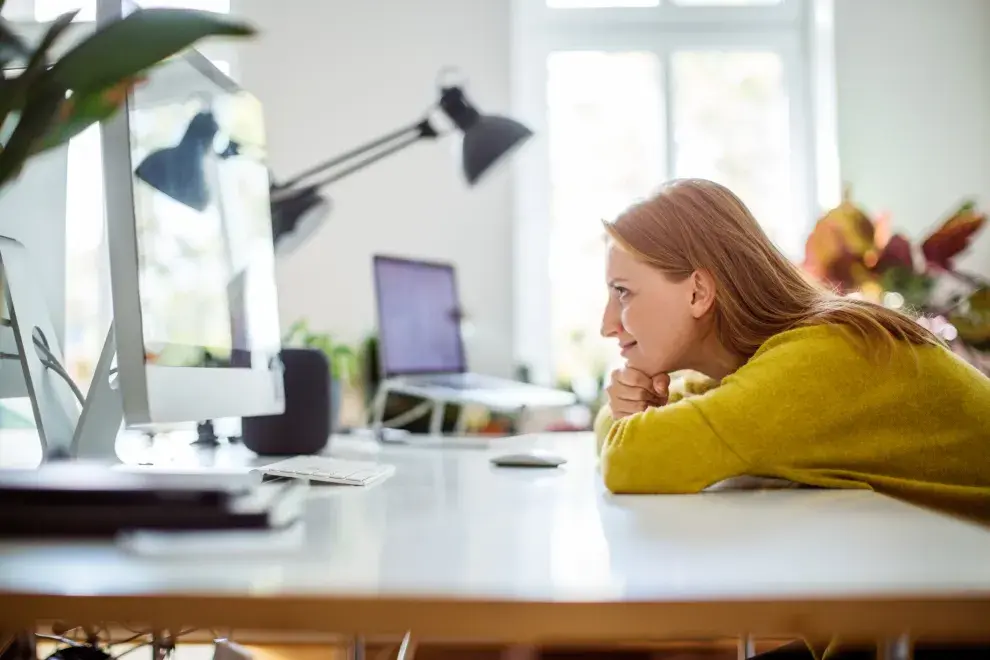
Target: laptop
<point>421,346</point>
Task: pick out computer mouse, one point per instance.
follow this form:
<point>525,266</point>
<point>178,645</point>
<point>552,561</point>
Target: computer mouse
<point>529,459</point>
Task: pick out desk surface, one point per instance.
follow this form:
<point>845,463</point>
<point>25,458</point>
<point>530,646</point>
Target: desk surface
<point>455,546</point>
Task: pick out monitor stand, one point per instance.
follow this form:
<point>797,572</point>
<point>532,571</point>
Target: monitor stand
<point>99,424</point>
<point>103,414</point>
<point>206,436</point>
<point>55,407</point>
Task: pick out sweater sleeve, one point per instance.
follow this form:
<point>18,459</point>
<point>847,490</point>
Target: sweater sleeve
<point>672,449</point>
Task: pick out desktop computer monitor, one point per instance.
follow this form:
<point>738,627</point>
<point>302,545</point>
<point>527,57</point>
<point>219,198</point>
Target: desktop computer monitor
<point>192,259</point>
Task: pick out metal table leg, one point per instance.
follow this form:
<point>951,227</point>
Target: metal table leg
<point>407,649</point>
<point>899,648</point>
<point>746,647</point>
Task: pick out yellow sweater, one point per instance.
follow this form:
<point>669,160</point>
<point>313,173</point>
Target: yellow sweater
<point>813,407</point>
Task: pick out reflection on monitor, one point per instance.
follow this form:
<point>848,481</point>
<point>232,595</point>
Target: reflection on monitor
<point>204,232</point>
<point>192,257</point>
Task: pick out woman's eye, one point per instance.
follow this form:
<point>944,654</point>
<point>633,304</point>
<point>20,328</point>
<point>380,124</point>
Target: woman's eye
<point>622,292</point>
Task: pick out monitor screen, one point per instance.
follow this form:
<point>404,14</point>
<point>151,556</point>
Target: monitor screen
<point>206,265</point>
<point>419,319</point>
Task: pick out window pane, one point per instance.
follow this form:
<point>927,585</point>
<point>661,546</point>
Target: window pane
<point>731,125</point>
<point>46,10</point>
<point>605,118</point>
<point>87,281</point>
<point>599,4</point>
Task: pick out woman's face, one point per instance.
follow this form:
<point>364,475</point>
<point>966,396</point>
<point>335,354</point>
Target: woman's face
<point>654,319</point>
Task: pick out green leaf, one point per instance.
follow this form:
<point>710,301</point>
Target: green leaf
<point>344,362</point>
<point>125,48</point>
<point>972,319</point>
<point>84,113</point>
<point>39,113</point>
<point>297,329</point>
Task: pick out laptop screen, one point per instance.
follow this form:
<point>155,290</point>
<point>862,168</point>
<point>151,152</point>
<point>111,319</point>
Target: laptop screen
<point>419,326</point>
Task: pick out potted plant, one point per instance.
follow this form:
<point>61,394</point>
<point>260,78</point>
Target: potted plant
<point>48,102</point>
<point>343,360</point>
<point>855,254</point>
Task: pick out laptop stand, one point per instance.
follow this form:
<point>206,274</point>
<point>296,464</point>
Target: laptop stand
<point>435,402</point>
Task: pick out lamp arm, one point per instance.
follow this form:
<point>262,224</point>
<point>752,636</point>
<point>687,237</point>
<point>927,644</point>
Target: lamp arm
<point>413,133</point>
<point>363,163</point>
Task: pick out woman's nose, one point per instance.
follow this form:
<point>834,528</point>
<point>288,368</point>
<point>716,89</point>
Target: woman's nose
<point>611,324</point>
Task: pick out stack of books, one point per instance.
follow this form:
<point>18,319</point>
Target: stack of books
<point>75,499</point>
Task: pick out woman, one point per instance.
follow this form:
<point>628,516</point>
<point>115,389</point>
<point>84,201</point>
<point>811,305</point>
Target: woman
<point>807,387</point>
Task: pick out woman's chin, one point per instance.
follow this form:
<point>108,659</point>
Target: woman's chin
<point>650,367</point>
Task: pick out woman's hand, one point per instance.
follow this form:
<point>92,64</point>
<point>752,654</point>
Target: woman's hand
<point>631,391</point>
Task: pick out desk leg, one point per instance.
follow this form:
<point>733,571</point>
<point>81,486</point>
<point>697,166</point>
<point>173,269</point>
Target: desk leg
<point>900,648</point>
<point>520,652</point>
<point>18,646</point>
<point>407,649</point>
<point>747,647</point>
<point>357,648</point>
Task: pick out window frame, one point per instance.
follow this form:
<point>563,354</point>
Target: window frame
<point>791,28</point>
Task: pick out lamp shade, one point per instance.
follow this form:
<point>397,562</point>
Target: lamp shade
<point>296,215</point>
<point>487,138</point>
<point>486,142</point>
<point>178,171</point>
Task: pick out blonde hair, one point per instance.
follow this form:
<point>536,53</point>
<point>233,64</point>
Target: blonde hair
<point>695,224</point>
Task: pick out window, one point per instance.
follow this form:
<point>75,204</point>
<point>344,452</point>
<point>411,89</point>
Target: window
<point>624,94</point>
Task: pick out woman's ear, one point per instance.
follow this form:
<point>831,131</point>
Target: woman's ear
<point>702,293</point>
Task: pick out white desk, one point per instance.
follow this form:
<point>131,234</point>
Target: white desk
<point>452,547</point>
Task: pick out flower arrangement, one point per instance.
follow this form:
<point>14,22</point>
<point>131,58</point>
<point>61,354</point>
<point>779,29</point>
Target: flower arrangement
<point>858,255</point>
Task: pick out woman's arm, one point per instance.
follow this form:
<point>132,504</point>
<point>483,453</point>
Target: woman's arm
<point>672,449</point>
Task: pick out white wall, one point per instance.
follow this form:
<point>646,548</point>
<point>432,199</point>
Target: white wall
<point>335,73</point>
<point>913,86</point>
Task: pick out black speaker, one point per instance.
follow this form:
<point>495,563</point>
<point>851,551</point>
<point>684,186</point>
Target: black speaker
<point>305,426</point>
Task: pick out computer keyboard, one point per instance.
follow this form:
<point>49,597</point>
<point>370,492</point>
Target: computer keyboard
<point>324,469</point>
